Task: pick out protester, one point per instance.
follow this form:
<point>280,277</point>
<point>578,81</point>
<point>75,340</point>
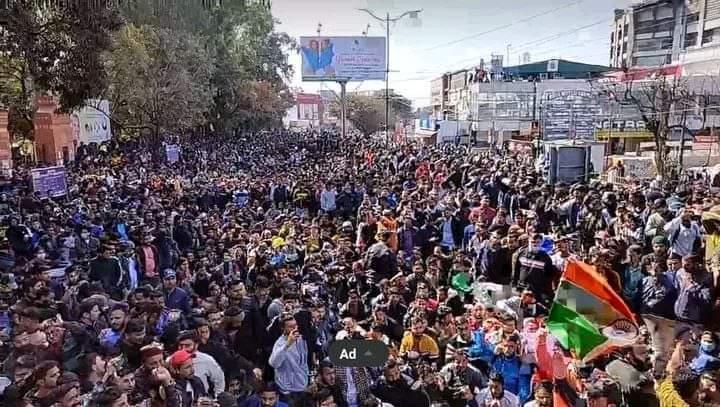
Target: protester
<point>226,276</point>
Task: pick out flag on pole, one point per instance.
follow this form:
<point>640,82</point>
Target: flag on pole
<point>588,316</point>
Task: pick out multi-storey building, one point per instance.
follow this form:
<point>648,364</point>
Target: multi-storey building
<point>653,32</point>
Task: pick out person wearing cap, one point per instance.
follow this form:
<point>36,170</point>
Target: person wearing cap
<point>148,258</point>
<point>205,366</point>
<point>189,386</point>
<point>176,298</point>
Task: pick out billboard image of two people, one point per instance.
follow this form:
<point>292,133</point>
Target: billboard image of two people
<point>342,58</point>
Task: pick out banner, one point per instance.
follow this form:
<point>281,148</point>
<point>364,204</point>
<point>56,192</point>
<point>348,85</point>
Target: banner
<point>49,181</point>
<point>91,124</point>
<point>343,58</point>
<point>172,153</point>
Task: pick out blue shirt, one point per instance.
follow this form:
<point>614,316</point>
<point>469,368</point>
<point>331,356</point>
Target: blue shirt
<point>290,364</point>
<point>109,338</point>
<point>178,299</point>
<point>133,273</point>
<point>448,240</point>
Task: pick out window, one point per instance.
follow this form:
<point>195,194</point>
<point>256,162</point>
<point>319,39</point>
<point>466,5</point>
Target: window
<point>691,39</point>
<point>626,28</point>
<point>652,61</point>
<point>612,38</point>
<point>654,26</point>
<point>693,18</point>
<point>664,12</point>
<point>653,44</point>
<point>709,36</point>
<point>644,15</point>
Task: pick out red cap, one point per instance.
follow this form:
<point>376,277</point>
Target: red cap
<point>180,357</point>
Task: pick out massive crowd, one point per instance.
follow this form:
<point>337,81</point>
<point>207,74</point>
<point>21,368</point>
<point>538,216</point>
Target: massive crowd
<point>223,278</point>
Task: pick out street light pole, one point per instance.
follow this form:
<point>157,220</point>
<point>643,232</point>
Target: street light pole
<point>387,20</point>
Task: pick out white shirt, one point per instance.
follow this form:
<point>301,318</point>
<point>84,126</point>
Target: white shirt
<point>485,399</point>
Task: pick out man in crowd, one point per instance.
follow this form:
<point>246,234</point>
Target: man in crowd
<point>228,275</point>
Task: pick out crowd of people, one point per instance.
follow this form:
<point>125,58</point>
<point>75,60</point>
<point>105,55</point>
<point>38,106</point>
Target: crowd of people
<point>223,278</point>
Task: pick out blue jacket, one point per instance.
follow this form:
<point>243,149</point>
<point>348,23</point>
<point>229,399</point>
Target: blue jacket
<point>178,299</point>
<point>705,362</point>
<point>254,401</point>
<point>517,376</point>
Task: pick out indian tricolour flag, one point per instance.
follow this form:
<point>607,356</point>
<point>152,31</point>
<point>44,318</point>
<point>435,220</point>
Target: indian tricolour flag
<point>588,316</point>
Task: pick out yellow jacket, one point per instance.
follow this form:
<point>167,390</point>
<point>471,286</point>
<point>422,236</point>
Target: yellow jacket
<point>668,396</point>
<point>426,345</point>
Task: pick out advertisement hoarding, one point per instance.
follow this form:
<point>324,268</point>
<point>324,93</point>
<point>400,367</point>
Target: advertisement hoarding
<point>91,124</point>
<point>49,181</point>
<point>569,114</point>
<point>343,58</point>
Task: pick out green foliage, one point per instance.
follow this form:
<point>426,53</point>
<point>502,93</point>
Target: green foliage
<point>367,113</point>
<point>162,65</point>
<point>160,79</point>
<point>57,50</point>
<point>251,68</point>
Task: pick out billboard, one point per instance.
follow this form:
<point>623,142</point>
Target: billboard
<point>569,114</point>
<point>91,124</point>
<point>49,181</point>
<point>343,58</point>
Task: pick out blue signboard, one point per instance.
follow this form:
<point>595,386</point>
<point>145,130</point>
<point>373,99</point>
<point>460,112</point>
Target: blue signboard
<point>172,152</point>
<point>49,181</point>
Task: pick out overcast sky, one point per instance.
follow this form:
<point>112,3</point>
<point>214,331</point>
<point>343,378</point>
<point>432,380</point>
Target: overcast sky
<point>454,34</point>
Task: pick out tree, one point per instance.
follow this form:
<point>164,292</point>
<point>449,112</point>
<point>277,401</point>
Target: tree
<point>51,49</point>
<point>367,113</point>
<point>660,100</point>
<point>159,79</point>
<point>251,68</point>
<point>57,50</point>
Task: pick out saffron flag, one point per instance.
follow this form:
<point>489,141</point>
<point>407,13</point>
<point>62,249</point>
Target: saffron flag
<point>588,316</point>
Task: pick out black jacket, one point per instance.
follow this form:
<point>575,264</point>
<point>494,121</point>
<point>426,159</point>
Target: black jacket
<point>198,390</point>
<point>400,394</point>
<point>535,271</point>
<point>381,259</point>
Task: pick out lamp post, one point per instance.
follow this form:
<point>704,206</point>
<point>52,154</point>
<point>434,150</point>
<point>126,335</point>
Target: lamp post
<point>387,20</point>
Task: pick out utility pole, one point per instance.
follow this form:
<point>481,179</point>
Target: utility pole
<point>387,20</point>
<point>343,107</point>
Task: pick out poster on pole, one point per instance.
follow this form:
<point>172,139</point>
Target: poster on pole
<point>91,124</point>
<point>172,153</point>
<point>49,182</point>
<point>343,58</point>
